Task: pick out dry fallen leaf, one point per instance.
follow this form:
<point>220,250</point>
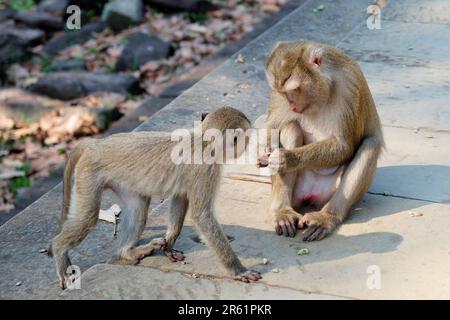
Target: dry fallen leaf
<point>244,85</point>
<point>110,214</point>
<point>240,59</point>
<point>415,214</point>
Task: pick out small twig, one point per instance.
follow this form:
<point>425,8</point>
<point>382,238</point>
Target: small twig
<point>249,177</point>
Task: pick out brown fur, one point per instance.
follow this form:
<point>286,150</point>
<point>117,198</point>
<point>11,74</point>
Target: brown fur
<point>137,166</point>
<point>320,91</point>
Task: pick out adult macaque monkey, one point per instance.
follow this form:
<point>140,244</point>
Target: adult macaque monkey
<point>136,166</point>
<point>330,136</point>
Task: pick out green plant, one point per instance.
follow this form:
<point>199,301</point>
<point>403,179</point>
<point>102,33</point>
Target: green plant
<point>25,167</point>
<point>18,183</point>
<point>46,63</point>
<point>88,13</point>
<point>196,17</point>
<point>21,182</point>
<point>110,67</point>
<point>93,50</point>
<point>131,96</point>
<point>20,4</point>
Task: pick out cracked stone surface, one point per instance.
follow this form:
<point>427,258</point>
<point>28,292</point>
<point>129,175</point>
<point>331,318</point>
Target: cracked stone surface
<point>400,227</point>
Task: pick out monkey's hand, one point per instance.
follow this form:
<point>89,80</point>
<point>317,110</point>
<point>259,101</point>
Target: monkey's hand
<point>286,221</point>
<point>174,255</point>
<point>263,161</point>
<point>319,224</point>
<point>277,160</point>
<point>248,276</point>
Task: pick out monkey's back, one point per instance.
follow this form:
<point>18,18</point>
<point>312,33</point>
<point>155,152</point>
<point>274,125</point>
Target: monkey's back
<point>136,161</point>
<point>141,161</point>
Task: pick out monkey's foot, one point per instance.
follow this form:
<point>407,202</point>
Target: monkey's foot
<point>286,221</point>
<point>127,261</point>
<point>147,249</point>
<point>174,255</point>
<point>63,280</point>
<point>319,224</point>
<point>248,276</point>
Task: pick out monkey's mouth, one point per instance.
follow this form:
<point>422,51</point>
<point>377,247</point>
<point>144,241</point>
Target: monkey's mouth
<point>296,108</point>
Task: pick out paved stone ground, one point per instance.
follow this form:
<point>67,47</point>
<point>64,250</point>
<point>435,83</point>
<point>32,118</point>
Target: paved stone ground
<point>401,226</point>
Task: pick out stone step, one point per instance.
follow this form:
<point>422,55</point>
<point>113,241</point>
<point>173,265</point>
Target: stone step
<point>105,281</point>
<point>393,234</point>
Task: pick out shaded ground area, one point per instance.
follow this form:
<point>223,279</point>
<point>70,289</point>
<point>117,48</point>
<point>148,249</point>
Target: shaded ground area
<point>400,228</point>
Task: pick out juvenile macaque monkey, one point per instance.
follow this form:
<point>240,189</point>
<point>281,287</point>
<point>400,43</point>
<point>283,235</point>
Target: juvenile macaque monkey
<point>137,166</point>
<point>330,136</point>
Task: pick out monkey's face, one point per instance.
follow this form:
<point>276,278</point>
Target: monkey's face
<point>294,71</point>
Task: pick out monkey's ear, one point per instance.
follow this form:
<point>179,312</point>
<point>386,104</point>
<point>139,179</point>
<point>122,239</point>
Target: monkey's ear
<point>277,45</point>
<point>204,114</point>
<point>315,57</point>
<point>274,48</point>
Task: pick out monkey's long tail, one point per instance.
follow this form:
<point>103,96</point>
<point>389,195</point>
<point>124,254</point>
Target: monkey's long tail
<point>67,183</point>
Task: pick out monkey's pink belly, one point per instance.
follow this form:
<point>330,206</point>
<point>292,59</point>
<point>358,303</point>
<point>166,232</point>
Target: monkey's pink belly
<point>316,187</point>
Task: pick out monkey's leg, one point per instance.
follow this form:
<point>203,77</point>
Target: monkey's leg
<point>132,226</point>
<point>355,183</point>
<point>286,218</point>
<point>207,224</point>
<point>178,209</point>
<point>82,217</point>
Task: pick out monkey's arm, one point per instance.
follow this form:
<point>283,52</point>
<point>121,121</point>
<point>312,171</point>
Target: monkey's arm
<point>321,154</point>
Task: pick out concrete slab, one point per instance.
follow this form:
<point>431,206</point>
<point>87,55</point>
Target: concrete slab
<point>415,164</point>
<point>22,238</point>
<point>429,11</point>
<point>410,97</point>
<point>123,282</point>
<point>401,44</point>
<point>381,232</point>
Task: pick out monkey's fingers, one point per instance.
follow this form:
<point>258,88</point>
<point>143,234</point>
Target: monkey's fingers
<point>175,255</point>
<point>314,233</point>
<point>286,227</point>
<point>262,161</point>
<point>248,276</point>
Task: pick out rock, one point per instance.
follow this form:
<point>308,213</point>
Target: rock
<point>68,65</point>
<point>67,39</point>
<point>25,108</point>
<point>6,14</point>
<point>141,48</point>
<point>39,19</point>
<point>12,49</point>
<point>30,36</point>
<point>71,85</point>
<point>119,15</point>
<point>55,7</point>
<point>96,5</point>
<point>183,5</point>
<point>18,75</point>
